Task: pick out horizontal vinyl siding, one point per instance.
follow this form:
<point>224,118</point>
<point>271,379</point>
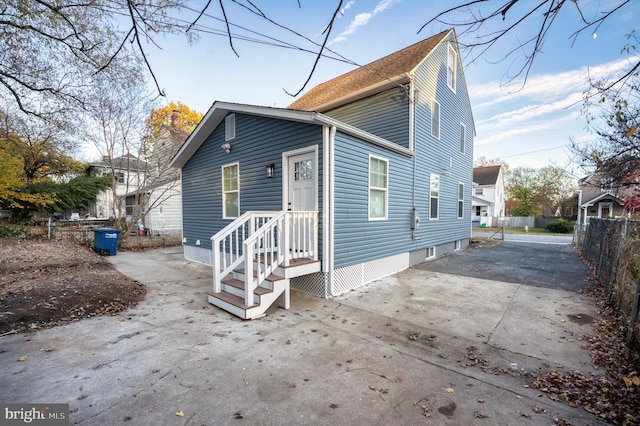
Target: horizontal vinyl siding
<point>165,218</point>
<point>357,239</point>
<point>434,156</point>
<point>385,114</point>
<point>259,141</point>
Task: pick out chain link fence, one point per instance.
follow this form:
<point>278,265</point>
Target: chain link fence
<point>613,248</point>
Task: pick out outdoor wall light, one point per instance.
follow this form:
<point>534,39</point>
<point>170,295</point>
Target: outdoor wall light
<point>271,170</point>
<point>226,147</point>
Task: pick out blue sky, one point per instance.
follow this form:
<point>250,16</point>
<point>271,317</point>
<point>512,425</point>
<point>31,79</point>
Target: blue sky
<point>526,125</point>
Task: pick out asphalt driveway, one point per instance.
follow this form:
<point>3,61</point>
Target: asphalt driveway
<point>554,266</point>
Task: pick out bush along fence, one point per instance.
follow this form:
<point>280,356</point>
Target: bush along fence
<point>613,248</point>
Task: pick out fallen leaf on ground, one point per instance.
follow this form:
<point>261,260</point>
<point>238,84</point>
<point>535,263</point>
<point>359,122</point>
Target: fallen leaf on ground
<point>22,358</point>
<point>629,381</point>
<point>180,413</point>
<point>449,390</point>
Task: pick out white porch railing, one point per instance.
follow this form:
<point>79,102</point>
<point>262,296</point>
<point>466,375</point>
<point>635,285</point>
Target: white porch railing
<point>268,239</point>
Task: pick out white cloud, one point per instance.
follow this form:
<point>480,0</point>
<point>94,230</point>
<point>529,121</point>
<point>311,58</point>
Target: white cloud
<point>522,133</point>
<point>533,111</point>
<point>361,19</point>
<point>546,86</point>
<point>347,7</point>
<point>548,107</point>
<point>384,5</point>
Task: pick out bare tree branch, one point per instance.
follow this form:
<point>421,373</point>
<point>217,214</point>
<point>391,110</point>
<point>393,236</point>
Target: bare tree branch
<point>195,21</point>
<point>226,20</point>
<point>136,37</point>
<point>319,55</point>
<point>477,21</point>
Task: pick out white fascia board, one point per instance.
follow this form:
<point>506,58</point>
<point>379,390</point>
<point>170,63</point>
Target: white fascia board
<point>594,200</point>
<point>218,112</point>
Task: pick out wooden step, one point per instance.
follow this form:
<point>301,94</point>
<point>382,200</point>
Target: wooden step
<point>271,277</point>
<point>236,283</point>
<point>229,303</point>
<point>231,299</point>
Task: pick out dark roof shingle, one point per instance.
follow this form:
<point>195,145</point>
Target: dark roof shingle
<point>373,74</point>
<point>486,175</point>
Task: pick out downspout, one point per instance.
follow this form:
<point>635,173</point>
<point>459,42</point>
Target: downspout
<point>412,145</point>
<point>328,158</point>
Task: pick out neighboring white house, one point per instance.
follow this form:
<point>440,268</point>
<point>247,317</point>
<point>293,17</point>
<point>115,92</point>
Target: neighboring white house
<point>160,199</point>
<point>487,204</point>
<point>163,205</point>
<point>148,187</point>
<point>129,172</point>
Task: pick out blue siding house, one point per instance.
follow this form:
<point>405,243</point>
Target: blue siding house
<point>359,178</point>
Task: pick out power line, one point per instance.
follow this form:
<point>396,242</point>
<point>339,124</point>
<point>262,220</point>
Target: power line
<point>533,152</point>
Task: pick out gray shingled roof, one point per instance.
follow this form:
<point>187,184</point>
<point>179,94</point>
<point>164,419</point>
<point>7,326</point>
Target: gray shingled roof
<point>374,74</point>
<point>126,162</point>
<point>486,175</point>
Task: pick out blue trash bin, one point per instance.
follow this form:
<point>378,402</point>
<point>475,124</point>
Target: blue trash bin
<point>105,241</point>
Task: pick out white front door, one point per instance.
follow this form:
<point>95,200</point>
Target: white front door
<point>302,182</point>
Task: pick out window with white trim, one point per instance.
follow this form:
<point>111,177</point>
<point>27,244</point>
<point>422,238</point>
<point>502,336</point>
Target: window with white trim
<point>460,200</point>
<point>435,119</point>
<point>457,244</point>
<point>378,188</point>
<point>230,191</point>
<point>479,191</point>
<point>452,61</point>
<point>434,196</point>
<point>463,137</point>
<point>229,127</point>
<point>431,252</point>
<point>120,177</point>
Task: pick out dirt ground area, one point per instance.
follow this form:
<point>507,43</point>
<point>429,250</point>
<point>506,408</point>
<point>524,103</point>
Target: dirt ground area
<point>47,283</point>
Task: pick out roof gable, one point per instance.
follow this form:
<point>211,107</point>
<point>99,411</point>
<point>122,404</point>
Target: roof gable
<point>385,72</point>
<point>608,195</point>
<point>219,110</point>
